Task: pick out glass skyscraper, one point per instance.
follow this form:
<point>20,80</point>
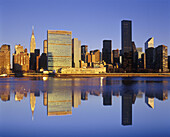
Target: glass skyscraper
<point>59,49</point>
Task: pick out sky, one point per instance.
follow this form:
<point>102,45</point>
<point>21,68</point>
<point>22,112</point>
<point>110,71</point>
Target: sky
<point>91,21</point>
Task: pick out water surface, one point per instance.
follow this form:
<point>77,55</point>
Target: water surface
<point>84,107</point>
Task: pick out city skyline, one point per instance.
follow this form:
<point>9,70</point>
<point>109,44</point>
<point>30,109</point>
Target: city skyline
<point>95,25</point>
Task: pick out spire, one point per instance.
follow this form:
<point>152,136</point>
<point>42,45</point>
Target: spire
<point>32,30</point>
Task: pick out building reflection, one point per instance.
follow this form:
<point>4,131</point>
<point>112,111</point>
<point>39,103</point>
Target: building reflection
<point>61,96</point>
<point>5,92</point>
<point>32,103</point>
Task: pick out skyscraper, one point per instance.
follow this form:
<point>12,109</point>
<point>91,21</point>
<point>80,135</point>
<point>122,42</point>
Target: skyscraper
<point>149,43</point>
<point>32,43</point>
<point>107,51</point>
<point>161,58</point>
<point>45,46</point>
<point>59,45</point>
<point>149,58</point>
<point>84,50</point>
<point>20,59</point>
<point>127,60</point>
<point>4,59</point>
<point>76,52</point>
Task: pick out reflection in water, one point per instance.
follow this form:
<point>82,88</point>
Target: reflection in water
<point>60,95</point>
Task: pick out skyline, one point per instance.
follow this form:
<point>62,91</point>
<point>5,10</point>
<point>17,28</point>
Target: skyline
<point>96,24</point>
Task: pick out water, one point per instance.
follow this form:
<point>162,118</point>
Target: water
<point>84,107</point>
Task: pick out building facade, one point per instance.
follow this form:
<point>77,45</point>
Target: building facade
<point>84,50</point>
<point>107,51</point>
<point>4,59</point>
<point>127,50</point>
<point>149,58</point>
<point>45,46</point>
<point>59,45</point>
<point>76,52</point>
<point>161,58</point>
<point>20,59</point>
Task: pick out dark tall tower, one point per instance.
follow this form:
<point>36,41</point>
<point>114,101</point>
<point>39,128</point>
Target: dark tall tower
<point>84,49</point>
<point>107,51</point>
<point>127,45</point>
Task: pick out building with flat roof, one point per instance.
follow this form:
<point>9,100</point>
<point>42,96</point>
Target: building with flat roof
<point>59,46</point>
<point>127,49</point>
<point>45,46</point>
<point>84,50</point>
<point>20,59</point>
<point>76,52</point>
<point>107,55</point>
<point>161,58</point>
<point>4,59</point>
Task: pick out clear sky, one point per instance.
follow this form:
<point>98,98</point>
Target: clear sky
<point>91,21</point>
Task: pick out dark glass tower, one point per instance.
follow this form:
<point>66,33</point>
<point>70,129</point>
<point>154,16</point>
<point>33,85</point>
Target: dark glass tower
<point>107,51</point>
<point>127,50</point>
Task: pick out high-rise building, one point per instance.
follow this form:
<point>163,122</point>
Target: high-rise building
<point>107,55</point>
<point>59,45</point>
<point>97,54</point>
<point>142,64</point>
<point>116,57</point>
<point>20,59</point>
<point>4,59</point>
<point>84,50</point>
<point>32,43</point>
<point>35,60</point>
<point>45,46</point>
<point>43,61</point>
<point>161,58</point>
<point>76,52</point>
<point>149,58</point>
<point>127,49</point>
<point>149,43</point>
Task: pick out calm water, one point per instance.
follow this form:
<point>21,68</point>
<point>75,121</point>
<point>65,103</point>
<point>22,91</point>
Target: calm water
<point>84,107</point>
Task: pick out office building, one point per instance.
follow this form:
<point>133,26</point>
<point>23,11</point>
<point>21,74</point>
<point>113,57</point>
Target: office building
<point>20,59</point>
<point>45,47</point>
<point>4,59</point>
<point>107,55</point>
<point>84,50</point>
<point>32,43</point>
<point>59,45</point>
<point>161,58</point>
<point>149,43</point>
<point>149,58</point>
<point>34,60</point>
<point>97,55</point>
<point>43,61</point>
<point>76,53</point>
<point>127,49</point>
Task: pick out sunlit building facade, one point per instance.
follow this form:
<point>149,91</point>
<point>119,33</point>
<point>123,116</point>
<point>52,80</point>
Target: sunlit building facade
<point>59,46</point>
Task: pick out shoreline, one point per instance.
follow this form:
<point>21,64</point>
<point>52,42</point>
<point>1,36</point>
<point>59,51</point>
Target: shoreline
<point>59,75</point>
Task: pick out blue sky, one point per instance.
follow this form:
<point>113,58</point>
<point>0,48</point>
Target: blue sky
<point>91,21</point>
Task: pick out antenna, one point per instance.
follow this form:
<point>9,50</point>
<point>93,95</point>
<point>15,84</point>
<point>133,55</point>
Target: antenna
<point>32,29</point>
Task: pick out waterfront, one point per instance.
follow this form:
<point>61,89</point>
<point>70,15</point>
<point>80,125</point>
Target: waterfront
<point>80,107</point>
